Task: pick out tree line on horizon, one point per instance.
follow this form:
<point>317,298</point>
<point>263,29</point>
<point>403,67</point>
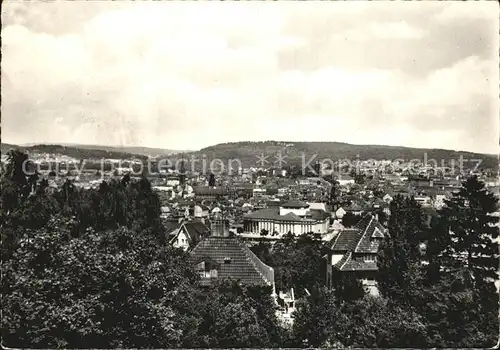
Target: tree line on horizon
<point>92,268</point>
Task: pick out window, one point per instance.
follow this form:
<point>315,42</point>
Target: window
<point>227,260</point>
<point>369,258</point>
<point>200,268</point>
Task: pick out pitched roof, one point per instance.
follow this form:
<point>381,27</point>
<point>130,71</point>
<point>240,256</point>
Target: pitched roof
<point>345,177</point>
<point>346,240</point>
<point>170,225</point>
<point>363,238</point>
<point>295,204</point>
<point>265,214</point>
<point>272,214</point>
<point>234,260</point>
<point>371,230</point>
<point>196,230</point>
<point>347,263</point>
<point>317,214</point>
<point>205,190</point>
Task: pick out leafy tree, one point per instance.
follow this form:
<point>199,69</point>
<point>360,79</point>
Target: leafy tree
<point>22,202</point>
<point>399,257</point>
<point>236,316</point>
<point>349,219</point>
<point>347,287</point>
<point>263,251</point>
<point>468,219</point>
<point>376,322</point>
<point>298,263</point>
<point>460,300</point>
<point>314,318</point>
<point>456,315</point>
<point>334,196</point>
<point>211,180</point>
<point>17,180</point>
<point>110,289</point>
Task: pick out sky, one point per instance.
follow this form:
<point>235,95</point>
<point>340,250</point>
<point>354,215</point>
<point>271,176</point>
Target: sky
<point>192,74</point>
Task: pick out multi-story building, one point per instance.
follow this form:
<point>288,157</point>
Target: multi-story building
<point>354,251</point>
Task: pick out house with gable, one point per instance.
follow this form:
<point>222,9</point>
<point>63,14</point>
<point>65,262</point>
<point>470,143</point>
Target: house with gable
<point>187,234</point>
<point>224,256</point>
<point>354,251</point>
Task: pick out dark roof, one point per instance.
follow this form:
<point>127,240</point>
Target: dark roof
<point>272,214</point>
<point>365,237</point>
<point>346,240</point>
<point>317,214</point>
<point>295,204</point>
<point>196,230</point>
<point>371,230</point>
<point>243,266</point>
<point>170,225</point>
<point>347,263</point>
<point>355,206</point>
<point>185,202</point>
<point>205,190</point>
<point>273,204</point>
<point>345,177</point>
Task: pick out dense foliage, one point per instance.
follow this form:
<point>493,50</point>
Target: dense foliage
<point>91,268</point>
<point>297,263</point>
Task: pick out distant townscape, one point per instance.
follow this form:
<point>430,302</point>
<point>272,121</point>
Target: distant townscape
<point>365,252</point>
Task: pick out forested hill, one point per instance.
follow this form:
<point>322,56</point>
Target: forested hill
<point>247,152</point>
<point>145,151</point>
<point>74,152</point>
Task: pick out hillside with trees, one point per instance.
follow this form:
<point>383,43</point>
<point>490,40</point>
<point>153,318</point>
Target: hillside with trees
<point>294,153</point>
<point>247,152</point>
<point>74,152</point>
<point>143,151</point>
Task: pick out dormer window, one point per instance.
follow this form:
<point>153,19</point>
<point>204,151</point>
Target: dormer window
<point>227,260</point>
<point>207,269</point>
<point>377,233</point>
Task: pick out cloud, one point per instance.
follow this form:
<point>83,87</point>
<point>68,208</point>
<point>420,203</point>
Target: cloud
<point>467,11</point>
<point>187,75</point>
<point>396,30</point>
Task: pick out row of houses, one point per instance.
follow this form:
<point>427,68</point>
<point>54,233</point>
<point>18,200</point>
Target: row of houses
<point>218,254</point>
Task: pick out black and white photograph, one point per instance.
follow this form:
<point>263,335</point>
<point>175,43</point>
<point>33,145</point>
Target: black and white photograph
<point>250,174</point>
